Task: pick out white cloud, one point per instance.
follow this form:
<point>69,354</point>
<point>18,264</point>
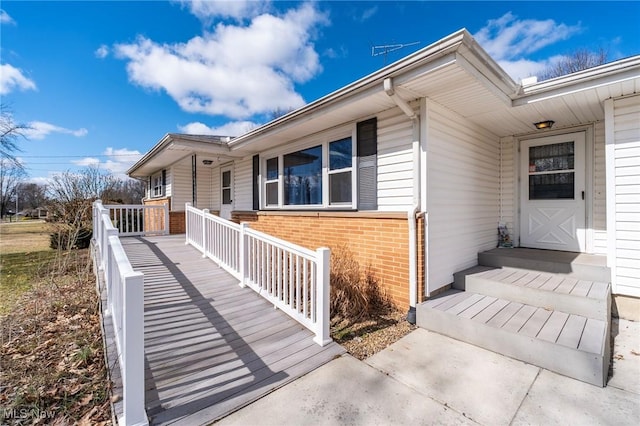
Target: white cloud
<point>205,10</point>
<point>40,130</point>
<point>117,161</point>
<point>508,39</point>
<point>233,128</point>
<point>5,19</point>
<point>102,52</point>
<point>12,78</point>
<point>234,71</point>
<point>367,14</point>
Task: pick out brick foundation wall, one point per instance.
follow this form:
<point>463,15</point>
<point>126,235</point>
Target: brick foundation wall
<point>378,239</point>
<point>177,223</point>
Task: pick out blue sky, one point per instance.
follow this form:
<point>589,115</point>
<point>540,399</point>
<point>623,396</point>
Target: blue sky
<point>102,82</point>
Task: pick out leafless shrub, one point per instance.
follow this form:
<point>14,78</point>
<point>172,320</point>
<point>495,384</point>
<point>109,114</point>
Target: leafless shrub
<point>355,293</point>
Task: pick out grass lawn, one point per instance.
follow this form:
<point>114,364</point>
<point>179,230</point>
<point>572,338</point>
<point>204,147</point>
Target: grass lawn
<point>24,257</point>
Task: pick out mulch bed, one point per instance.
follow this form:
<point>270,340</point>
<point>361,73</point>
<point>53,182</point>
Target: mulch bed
<point>367,336</point>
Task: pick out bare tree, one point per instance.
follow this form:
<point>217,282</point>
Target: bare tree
<point>11,174</point>
<point>71,196</point>
<point>10,133</point>
<point>579,60</point>
<point>125,191</point>
<point>32,195</point>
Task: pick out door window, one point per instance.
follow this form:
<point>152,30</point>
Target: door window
<point>226,187</point>
<point>552,171</point>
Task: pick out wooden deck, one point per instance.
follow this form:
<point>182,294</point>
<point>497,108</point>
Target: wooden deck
<point>211,347</point>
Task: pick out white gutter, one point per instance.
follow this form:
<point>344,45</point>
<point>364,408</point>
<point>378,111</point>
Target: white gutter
<point>413,211</point>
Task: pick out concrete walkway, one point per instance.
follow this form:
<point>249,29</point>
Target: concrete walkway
<point>426,378</point>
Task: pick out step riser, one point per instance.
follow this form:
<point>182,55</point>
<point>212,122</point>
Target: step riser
<point>573,270</point>
<point>583,306</point>
<point>587,367</point>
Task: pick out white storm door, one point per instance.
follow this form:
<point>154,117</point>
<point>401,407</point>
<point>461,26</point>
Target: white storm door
<point>226,192</point>
<point>552,190</point>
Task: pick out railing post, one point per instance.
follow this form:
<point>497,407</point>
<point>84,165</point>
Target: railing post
<point>133,350</point>
<point>186,222</point>
<point>108,267</point>
<point>323,259</point>
<point>96,215</point>
<point>242,253</point>
<point>204,232</point>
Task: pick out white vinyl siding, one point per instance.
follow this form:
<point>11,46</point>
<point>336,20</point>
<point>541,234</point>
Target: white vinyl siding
<point>599,192</point>
<point>242,184</point>
<point>204,177</point>
<point>623,155</point>
<point>181,184</point>
<point>508,185</point>
<point>463,188</point>
<point>215,189</point>
<point>395,161</point>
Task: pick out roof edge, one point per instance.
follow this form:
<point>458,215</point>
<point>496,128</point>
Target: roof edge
<point>169,138</point>
<point>439,48</point>
<point>604,71</point>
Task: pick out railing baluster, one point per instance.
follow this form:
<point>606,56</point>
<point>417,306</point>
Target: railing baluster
<point>293,278</point>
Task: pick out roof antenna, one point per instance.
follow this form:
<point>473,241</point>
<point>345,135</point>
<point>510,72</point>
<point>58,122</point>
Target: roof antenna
<point>385,49</point>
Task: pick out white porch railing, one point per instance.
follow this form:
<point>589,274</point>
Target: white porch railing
<point>125,304</point>
<point>136,219</point>
<point>293,278</point>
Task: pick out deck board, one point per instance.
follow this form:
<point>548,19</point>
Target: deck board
<point>553,327</point>
<point>478,307</point>
<point>490,311</point>
<point>505,314</point>
<point>519,319</point>
<point>210,345</point>
<point>535,323</point>
<point>572,331</point>
<point>591,340</point>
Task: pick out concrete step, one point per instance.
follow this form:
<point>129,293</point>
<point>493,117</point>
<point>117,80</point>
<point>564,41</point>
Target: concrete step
<point>572,345</point>
<point>581,266</point>
<point>591,299</point>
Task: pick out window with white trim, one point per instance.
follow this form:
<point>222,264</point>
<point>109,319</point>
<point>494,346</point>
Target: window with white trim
<point>157,184</point>
<point>302,173</point>
<point>271,185</point>
<point>318,176</point>
<point>340,167</point>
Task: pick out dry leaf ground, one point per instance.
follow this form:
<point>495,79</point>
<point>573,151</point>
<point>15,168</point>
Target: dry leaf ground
<point>52,368</point>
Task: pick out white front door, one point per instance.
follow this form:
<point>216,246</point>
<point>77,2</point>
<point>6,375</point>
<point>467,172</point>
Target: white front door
<point>226,192</point>
<point>552,193</point>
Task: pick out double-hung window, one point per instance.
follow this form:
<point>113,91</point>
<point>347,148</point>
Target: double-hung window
<point>340,166</point>
<point>271,186</point>
<point>157,184</point>
<point>317,176</point>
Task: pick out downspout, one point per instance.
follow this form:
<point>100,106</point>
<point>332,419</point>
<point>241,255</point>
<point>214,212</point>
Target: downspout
<point>413,211</point>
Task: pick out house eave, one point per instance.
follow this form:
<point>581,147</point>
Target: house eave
<point>447,50</point>
<point>592,78</point>
<point>185,144</point>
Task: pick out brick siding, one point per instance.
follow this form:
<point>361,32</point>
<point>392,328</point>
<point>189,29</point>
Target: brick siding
<point>379,240</point>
